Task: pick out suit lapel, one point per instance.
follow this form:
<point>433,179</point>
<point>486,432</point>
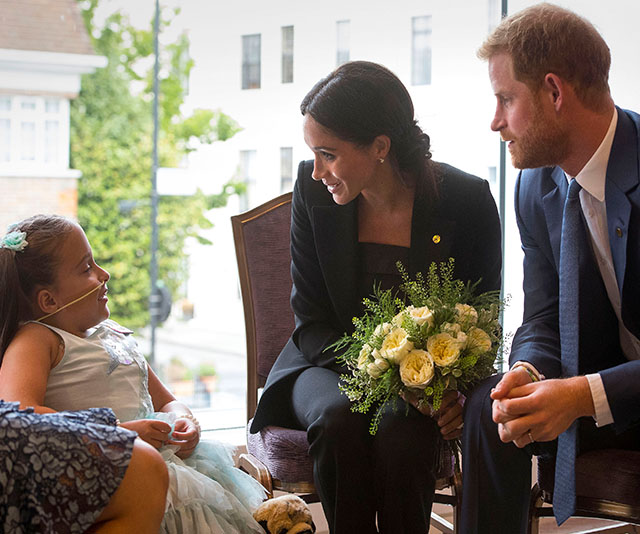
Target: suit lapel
<point>553,203</point>
<point>622,176</point>
<point>336,231</point>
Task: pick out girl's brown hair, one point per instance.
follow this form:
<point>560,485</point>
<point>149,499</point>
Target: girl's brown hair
<point>23,272</point>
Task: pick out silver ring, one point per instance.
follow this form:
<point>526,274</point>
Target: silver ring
<point>459,427</point>
<point>530,436</point>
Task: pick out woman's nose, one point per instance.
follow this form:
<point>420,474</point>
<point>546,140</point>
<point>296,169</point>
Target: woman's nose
<point>318,169</point>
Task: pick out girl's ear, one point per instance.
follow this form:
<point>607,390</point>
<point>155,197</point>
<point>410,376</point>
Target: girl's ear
<point>46,301</point>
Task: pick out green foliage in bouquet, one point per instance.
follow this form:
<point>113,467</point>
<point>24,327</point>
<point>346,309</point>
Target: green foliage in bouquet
<point>441,337</point>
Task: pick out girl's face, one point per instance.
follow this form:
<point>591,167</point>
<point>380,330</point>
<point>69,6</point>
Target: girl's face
<point>77,274</point>
<point>345,168</point>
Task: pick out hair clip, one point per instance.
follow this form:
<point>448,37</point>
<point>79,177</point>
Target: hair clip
<point>15,241</point>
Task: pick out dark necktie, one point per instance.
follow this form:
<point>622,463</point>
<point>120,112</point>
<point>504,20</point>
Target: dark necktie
<point>573,233</point>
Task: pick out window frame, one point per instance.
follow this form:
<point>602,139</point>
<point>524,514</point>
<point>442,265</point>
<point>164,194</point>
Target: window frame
<point>288,43</point>
<point>251,61</point>
<point>42,112</point>
<point>421,50</point>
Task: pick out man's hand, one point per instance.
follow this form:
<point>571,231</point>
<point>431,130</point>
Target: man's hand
<point>538,411</point>
<point>511,379</point>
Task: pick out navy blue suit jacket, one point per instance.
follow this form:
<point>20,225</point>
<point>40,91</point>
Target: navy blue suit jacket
<point>324,267</point>
<point>539,203</point>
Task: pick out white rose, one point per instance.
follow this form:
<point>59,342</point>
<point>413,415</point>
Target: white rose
<point>421,315</point>
<point>444,349</point>
<point>376,368</point>
<point>455,331</point>
<point>416,370</point>
<point>478,341</point>
<point>382,329</point>
<point>396,345</point>
<point>364,357</point>
<point>397,320</point>
<point>467,315</point>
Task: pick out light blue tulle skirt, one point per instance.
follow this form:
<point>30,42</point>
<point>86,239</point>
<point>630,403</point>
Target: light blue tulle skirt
<point>207,494</point>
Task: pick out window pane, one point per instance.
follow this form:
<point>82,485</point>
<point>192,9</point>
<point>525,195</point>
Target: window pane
<point>28,105</point>
<point>493,175</point>
<point>421,51</point>
<point>52,106</point>
<point>5,139</point>
<point>247,175</point>
<point>495,14</point>
<point>51,141</point>
<point>5,103</point>
<point>28,141</point>
<point>287,54</point>
<point>286,168</point>
<point>251,61</point>
<point>342,43</point>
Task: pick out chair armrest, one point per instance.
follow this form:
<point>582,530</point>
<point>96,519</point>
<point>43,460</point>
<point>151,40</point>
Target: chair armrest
<point>256,470</point>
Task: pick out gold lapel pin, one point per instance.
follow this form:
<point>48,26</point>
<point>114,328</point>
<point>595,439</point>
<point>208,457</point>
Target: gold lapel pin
<point>436,239</point>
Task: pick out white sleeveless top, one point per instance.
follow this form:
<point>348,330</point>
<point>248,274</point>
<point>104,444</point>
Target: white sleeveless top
<point>105,369</point>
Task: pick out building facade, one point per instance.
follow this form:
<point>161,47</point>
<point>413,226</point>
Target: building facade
<point>257,60</point>
<point>257,64</point>
<point>44,50</point>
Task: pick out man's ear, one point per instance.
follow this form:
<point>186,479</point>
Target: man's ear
<point>555,89</point>
<point>46,301</point>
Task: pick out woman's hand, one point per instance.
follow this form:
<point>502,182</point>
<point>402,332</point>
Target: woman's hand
<point>449,416</point>
<point>153,431</point>
<point>186,435</point>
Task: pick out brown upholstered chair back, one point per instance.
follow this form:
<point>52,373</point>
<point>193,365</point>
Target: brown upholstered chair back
<point>262,241</point>
<point>607,487</point>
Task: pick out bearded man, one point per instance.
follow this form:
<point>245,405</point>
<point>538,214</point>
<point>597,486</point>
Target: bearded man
<point>574,378</point>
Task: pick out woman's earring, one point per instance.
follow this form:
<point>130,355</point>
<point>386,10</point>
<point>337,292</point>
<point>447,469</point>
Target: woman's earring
<point>381,160</point>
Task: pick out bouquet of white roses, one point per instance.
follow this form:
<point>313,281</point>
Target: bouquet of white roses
<point>443,337</point>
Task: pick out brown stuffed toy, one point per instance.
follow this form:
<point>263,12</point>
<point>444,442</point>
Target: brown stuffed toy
<point>287,514</point>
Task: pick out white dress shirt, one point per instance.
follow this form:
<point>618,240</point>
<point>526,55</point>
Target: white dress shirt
<point>592,179</point>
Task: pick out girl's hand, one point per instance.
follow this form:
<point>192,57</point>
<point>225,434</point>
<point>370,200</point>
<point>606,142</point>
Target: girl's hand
<point>153,431</point>
<point>449,416</point>
<point>186,435</point>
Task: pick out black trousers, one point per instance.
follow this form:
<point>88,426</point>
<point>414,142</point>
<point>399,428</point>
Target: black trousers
<point>497,475</point>
<point>359,477</point>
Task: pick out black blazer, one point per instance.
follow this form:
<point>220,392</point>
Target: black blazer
<point>324,267</point>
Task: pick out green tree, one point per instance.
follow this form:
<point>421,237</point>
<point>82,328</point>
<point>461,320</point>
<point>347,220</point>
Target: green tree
<point>111,143</point>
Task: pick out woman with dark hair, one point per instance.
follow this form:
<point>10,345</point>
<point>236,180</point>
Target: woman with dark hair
<point>372,196</point>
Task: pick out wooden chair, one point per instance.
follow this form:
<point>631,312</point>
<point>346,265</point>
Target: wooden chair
<point>278,457</point>
<point>607,487</point>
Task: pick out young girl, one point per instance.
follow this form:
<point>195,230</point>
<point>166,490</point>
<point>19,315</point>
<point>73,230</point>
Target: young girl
<point>60,351</point>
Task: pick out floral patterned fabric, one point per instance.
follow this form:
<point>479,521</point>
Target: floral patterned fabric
<point>59,470</point>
